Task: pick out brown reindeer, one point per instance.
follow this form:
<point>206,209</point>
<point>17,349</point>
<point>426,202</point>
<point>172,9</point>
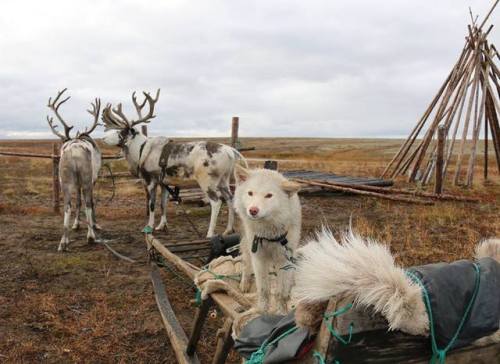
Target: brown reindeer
<point>79,165</point>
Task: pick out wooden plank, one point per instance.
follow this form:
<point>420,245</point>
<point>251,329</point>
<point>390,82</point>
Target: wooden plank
<point>380,346</point>
<point>176,334</point>
<point>224,342</point>
<point>27,155</point>
<point>178,262</point>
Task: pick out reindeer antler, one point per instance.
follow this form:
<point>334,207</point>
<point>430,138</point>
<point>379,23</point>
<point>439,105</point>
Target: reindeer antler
<point>114,118</point>
<point>54,106</point>
<point>94,111</point>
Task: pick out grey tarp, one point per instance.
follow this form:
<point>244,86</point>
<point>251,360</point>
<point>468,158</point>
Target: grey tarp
<point>450,287</point>
<point>266,328</point>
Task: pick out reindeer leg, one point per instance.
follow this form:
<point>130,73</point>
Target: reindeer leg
<point>152,200</point>
<point>63,245</point>
<point>89,208</point>
<point>164,202</point>
<point>96,225</point>
<point>76,223</point>
<point>228,199</point>
<point>214,213</point>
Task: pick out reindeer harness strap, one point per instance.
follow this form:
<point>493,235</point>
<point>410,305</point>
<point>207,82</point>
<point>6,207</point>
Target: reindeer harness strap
<point>165,154</point>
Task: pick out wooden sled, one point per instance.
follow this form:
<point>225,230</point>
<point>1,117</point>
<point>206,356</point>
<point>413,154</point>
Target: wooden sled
<point>370,341</point>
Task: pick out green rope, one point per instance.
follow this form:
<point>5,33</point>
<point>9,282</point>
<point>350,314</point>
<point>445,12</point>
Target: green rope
<point>235,277</point>
<point>258,355</point>
<point>147,230</point>
<point>334,332</point>
<point>319,357</point>
<point>197,297</point>
<point>440,354</point>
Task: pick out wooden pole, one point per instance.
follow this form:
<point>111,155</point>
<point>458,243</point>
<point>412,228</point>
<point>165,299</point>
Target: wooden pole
<point>486,147</point>
<point>438,116</point>
<point>56,188</point>
<point>477,128</point>
<point>467,119</point>
<point>403,192</point>
<point>234,131</point>
<point>361,192</point>
<point>438,187</point>
<point>144,129</point>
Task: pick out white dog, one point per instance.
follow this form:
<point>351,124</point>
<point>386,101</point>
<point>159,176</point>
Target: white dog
<point>270,210</point>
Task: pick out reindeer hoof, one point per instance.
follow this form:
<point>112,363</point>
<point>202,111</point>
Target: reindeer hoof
<point>75,227</point>
<point>90,240</point>
<point>63,245</point>
<point>161,227</point>
<point>228,232</point>
<point>97,227</point>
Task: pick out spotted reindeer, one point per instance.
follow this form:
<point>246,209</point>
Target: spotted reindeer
<point>79,165</point>
<point>155,159</point>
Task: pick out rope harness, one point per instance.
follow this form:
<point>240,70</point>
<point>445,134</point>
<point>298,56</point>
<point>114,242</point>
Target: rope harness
<point>258,355</point>
<point>234,277</point>
<point>259,239</point>
<point>437,353</point>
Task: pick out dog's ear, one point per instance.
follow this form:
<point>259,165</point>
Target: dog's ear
<point>290,187</point>
<point>240,174</point>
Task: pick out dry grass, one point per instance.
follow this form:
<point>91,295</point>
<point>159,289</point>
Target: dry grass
<point>84,306</point>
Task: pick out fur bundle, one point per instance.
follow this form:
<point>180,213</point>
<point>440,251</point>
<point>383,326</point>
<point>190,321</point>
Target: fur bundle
<point>489,248</point>
<point>365,271</point>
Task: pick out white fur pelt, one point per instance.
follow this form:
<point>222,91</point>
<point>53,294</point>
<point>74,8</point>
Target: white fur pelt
<point>489,248</point>
<point>364,270</point>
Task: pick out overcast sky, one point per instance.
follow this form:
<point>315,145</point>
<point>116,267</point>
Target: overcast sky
<point>286,68</point>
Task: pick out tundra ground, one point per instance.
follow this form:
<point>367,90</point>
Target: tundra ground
<point>86,306</point>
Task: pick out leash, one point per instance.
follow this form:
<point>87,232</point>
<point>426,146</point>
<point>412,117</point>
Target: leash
<point>437,353</point>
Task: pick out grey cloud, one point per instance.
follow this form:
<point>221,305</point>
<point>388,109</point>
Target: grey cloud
<point>287,68</point>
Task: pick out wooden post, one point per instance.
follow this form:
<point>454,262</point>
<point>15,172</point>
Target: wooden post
<point>234,131</point>
<point>201,315</point>
<point>224,342</point>
<point>438,187</point>
<point>270,164</point>
<point>56,188</point>
<point>144,129</point>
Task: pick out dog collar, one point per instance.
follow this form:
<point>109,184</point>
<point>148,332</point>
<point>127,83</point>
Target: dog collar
<point>259,239</point>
